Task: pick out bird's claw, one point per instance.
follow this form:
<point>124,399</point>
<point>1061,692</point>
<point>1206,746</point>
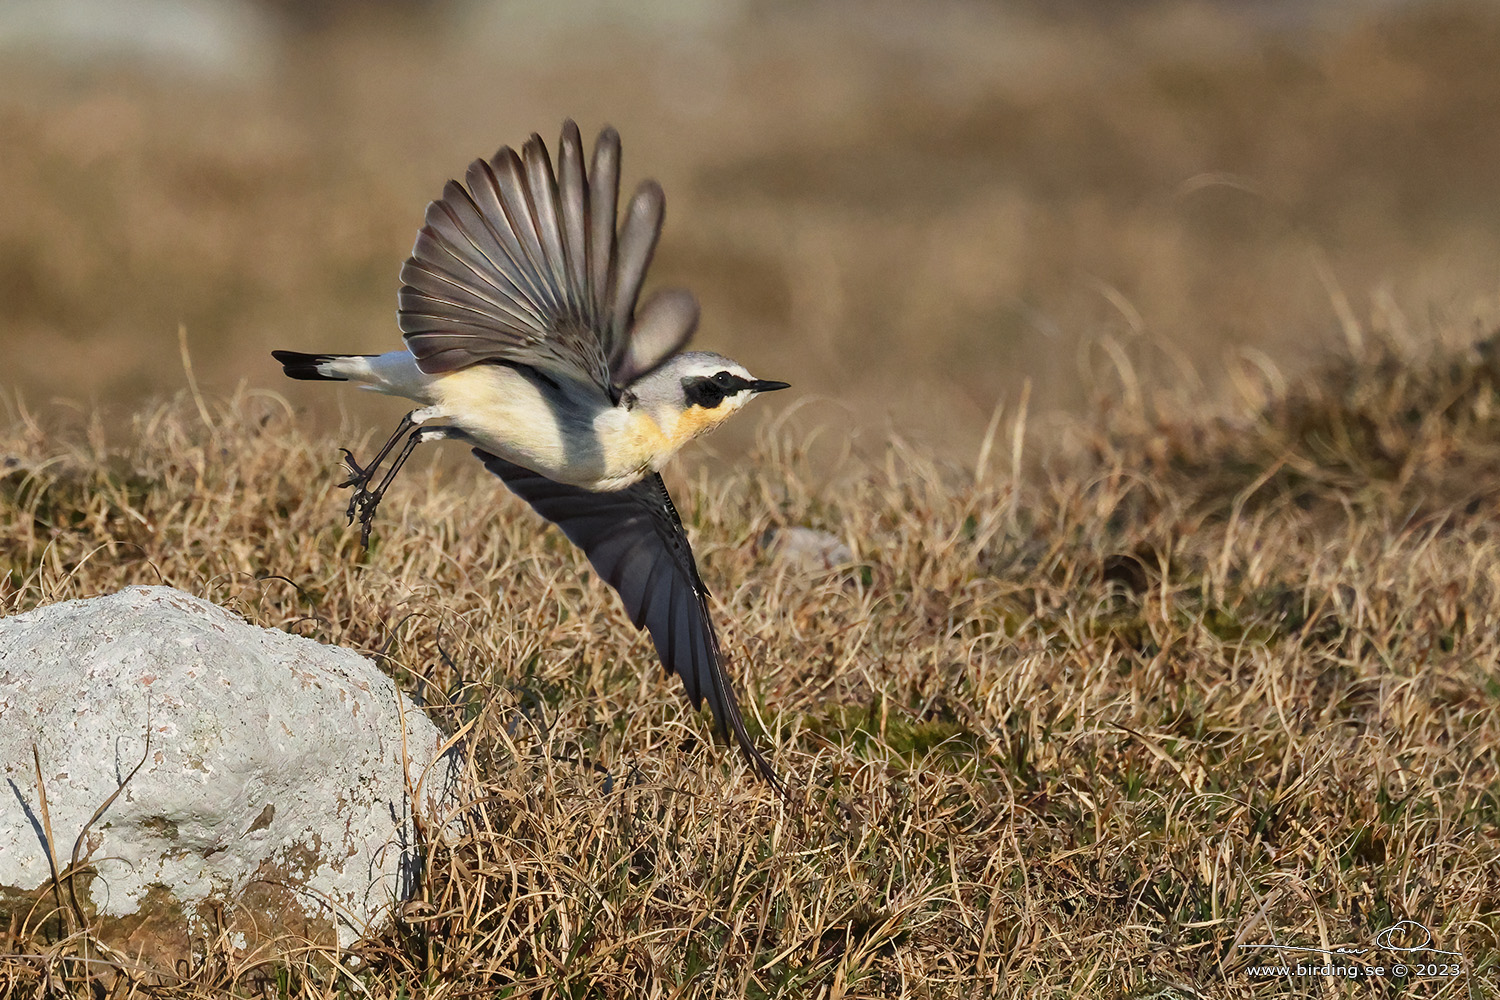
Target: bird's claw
<point>366,501</point>
<point>363,502</point>
<point>358,475</point>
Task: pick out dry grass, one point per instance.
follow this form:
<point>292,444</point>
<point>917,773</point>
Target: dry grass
<point>1166,681</point>
<point>1199,682</point>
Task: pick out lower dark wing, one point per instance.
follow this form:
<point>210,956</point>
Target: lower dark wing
<point>634,539</point>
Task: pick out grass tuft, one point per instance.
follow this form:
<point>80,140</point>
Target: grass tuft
<point>1208,680</point>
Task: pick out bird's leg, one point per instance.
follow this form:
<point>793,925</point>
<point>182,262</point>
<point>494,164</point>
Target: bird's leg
<point>365,500</point>
<point>360,476</point>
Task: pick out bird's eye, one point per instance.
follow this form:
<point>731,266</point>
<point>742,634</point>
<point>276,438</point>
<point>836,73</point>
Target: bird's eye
<point>724,380</point>
<point>703,392</point>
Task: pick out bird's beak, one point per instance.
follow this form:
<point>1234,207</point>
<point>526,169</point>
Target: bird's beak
<point>765,385</point>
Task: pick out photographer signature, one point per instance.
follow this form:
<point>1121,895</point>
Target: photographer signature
<point>1389,939</point>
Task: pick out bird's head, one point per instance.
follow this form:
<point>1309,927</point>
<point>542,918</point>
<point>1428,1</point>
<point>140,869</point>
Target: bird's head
<point>694,392</point>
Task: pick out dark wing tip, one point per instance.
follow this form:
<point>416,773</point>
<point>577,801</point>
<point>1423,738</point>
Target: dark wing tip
<point>649,198</point>
<point>607,152</point>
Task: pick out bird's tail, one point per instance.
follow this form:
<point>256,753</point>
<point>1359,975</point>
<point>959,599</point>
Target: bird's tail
<point>321,367</point>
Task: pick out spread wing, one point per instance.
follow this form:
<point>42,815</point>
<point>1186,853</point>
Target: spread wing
<point>634,539</point>
<point>523,265</point>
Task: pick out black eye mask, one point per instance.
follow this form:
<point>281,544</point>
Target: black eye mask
<point>704,392</point>
<point>710,392</point>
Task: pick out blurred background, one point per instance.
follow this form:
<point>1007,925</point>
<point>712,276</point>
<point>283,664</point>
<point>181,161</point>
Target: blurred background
<point>907,209</point>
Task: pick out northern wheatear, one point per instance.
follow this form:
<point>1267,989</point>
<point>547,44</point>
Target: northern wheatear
<point>523,338</point>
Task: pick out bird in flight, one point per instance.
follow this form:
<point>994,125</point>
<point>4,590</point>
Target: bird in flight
<point>526,338</point>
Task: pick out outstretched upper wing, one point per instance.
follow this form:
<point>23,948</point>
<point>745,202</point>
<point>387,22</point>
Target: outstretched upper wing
<point>523,265</point>
<point>635,542</point>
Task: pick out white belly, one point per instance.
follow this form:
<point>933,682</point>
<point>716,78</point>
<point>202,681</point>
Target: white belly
<point>584,441</point>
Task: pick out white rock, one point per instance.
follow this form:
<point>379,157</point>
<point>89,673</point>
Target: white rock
<point>273,787</point>
<point>808,550</point>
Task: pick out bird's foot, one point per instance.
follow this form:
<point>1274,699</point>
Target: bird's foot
<point>363,501</point>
